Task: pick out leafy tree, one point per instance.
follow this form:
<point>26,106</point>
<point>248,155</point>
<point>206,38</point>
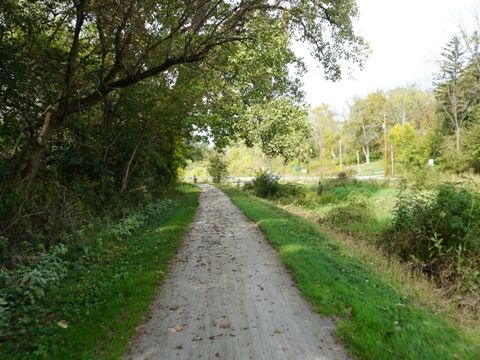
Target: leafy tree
<point>63,58</point>
<point>366,120</point>
<point>406,145</point>
<point>217,167</point>
<point>326,128</point>
<point>279,127</point>
<point>411,104</point>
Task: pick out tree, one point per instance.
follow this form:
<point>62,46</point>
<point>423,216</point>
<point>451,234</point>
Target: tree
<point>63,58</point>
<point>411,104</point>
<point>366,120</point>
<point>279,127</point>
<point>405,144</point>
<point>326,127</point>
<point>451,91</point>
<point>217,168</point>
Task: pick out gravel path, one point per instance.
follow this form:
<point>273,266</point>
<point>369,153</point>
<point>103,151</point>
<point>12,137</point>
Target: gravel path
<point>228,296</point>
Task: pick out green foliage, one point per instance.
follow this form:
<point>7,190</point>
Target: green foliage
<point>100,283</point>
<point>440,229</point>
<point>265,187</point>
<point>280,127</point>
<point>217,167</point>
<point>406,146</point>
<point>465,159</point>
<point>24,289</point>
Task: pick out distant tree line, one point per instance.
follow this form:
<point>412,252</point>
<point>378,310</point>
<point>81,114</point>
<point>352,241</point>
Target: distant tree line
<point>441,123</point>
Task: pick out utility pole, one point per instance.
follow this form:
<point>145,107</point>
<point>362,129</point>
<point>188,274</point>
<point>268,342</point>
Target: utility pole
<point>358,163</point>
<point>385,143</point>
<point>391,160</point>
<point>321,151</point>
<point>340,147</point>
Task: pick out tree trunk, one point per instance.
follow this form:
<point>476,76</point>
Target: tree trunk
<point>50,119</point>
<point>127,173</point>
<point>366,152</point>
<point>457,137</point>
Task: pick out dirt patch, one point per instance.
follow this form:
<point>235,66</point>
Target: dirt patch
<point>228,296</point>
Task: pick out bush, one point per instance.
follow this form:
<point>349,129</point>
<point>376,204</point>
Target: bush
<point>439,231</point>
<point>346,217</point>
<point>25,287</point>
<point>265,187</point>
<point>291,189</point>
<point>451,212</point>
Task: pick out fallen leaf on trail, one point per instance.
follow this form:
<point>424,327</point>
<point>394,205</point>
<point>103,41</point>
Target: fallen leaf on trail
<point>278,331</point>
<point>176,328</point>
<point>225,326</point>
<point>63,324</point>
<point>284,350</point>
<point>214,323</point>
<point>179,347</point>
<point>196,338</point>
<point>213,337</point>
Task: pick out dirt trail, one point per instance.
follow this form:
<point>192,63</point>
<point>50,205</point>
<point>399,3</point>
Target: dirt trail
<point>228,296</point>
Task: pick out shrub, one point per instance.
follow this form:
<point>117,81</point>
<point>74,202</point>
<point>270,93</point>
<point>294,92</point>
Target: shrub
<point>359,198</point>
<point>346,216</point>
<point>439,231</point>
<point>293,190</point>
<point>451,212</point>
<point>265,187</point>
<point>26,286</point>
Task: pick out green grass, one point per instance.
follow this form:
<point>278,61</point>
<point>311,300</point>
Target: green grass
<point>106,295</point>
<point>375,320</point>
<point>374,168</point>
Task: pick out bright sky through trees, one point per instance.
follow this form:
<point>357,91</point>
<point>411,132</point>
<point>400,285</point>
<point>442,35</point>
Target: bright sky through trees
<point>405,37</point>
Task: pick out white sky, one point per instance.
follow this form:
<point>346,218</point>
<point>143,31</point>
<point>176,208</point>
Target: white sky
<point>405,37</point>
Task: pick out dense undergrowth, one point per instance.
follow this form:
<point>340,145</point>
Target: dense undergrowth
<point>375,320</point>
<point>83,298</point>
<point>430,223</point>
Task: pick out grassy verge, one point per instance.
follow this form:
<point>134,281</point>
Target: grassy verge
<point>108,289</point>
<point>376,321</point>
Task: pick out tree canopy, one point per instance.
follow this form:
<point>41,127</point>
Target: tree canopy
<point>100,97</point>
<point>59,59</point>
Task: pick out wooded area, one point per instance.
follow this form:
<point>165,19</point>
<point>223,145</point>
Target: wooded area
<point>100,98</point>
